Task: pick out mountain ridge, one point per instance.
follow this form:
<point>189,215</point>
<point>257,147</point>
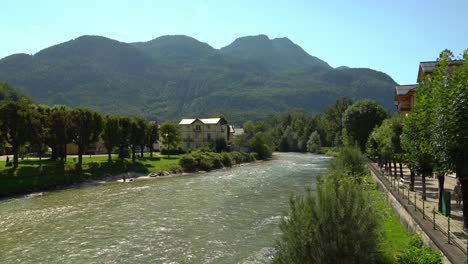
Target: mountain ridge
<point>176,76</point>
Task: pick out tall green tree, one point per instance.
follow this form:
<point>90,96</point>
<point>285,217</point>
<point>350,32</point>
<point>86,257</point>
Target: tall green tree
<point>314,143</point>
<point>125,131</point>
<point>450,110</point>
<point>139,127</point>
<point>110,134</point>
<point>40,132</point>
<point>360,119</point>
<point>170,134</point>
<point>259,145</point>
<point>85,129</point>
<point>59,123</point>
<point>333,117</point>
<point>152,136</point>
<point>15,125</point>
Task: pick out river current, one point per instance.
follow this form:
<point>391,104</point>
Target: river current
<point>225,216</point>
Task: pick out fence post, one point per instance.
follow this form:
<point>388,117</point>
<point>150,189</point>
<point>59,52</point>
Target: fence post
<point>448,228</point>
<point>433,218</point>
<point>409,199</point>
<point>424,216</point>
<point>415,201</point>
<point>397,185</point>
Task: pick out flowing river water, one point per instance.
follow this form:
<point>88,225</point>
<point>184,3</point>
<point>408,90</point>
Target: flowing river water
<point>225,216</point>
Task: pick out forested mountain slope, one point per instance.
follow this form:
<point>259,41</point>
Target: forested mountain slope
<point>172,77</point>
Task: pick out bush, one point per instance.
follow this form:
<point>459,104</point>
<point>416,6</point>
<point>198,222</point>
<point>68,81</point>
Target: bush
<point>93,165</point>
<point>176,151</point>
<point>417,253</point>
<point>188,162</point>
<point>227,160</point>
<point>351,161</point>
<point>206,164</point>
<point>337,225</point>
<point>203,159</point>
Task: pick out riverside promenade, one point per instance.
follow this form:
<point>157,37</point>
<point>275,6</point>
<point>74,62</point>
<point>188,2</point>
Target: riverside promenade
<point>441,232</point>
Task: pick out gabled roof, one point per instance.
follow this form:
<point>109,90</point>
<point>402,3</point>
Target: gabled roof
<point>210,121</point>
<point>186,121</point>
<point>206,121</point>
<point>405,89</point>
<point>429,66</point>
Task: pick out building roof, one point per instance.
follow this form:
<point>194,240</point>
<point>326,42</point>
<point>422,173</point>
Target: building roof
<point>405,89</point>
<point>429,66</point>
<point>238,131</point>
<point>210,121</point>
<point>206,121</point>
<point>186,121</point>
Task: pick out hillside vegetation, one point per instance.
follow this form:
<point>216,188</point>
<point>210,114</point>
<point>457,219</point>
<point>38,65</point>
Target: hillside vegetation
<point>172,77</point>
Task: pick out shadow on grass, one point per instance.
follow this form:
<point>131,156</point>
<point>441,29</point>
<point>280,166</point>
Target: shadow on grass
<point>32,175</point>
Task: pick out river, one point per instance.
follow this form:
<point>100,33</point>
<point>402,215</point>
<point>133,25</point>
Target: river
<point>225,216</point>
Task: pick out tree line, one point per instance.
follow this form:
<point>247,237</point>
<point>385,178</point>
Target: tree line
<point>342,123</point>
<point>43,127</point>
<point>433,137</point>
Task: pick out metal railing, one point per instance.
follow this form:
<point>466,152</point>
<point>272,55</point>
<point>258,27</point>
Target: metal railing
<point>454,233</point>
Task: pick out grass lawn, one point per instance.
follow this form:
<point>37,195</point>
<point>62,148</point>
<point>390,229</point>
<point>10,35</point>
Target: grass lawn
<point>33,175</point>
<point>395,238</point>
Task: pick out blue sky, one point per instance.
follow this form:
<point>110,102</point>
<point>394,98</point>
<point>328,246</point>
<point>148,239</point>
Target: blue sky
<point>390,36</point>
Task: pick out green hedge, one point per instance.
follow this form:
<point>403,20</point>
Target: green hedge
<point>207,160</point>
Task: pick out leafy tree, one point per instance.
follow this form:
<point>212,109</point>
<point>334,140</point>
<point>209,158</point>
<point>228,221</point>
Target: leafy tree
<point>220,145</point>
<point>40,132</point>
<point>360,119</point>
<point>139,128</point>
<point>59,123</point>
<point>333,117</point>
<point>86,129</point>
<point>125,131</point>
<point>337,225</point>
<point>152,136</point>
<point>240,143</point>
<point>289,140</point>
<point>170,134</point>
<point>350,162</point>
<point>258,144</point>
<point>15,125</point>
<point>111,135</point>
<point>314,144</point>
<point>450,113</point>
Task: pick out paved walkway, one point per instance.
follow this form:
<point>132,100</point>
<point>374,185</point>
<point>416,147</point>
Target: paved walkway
<point>458,236</point>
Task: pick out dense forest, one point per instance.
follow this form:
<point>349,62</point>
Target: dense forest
<point>172,77</point>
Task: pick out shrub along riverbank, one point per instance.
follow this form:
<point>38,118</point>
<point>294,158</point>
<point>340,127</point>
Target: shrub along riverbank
<point>347,220</point>
<point>206,160</point>
<point>34,175</point>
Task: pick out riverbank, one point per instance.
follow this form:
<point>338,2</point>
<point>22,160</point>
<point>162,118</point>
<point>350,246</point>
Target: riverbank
<point>35,176</point>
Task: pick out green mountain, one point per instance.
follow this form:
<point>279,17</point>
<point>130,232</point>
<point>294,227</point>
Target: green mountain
<point>172,77</point>
<point>277,54</point>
